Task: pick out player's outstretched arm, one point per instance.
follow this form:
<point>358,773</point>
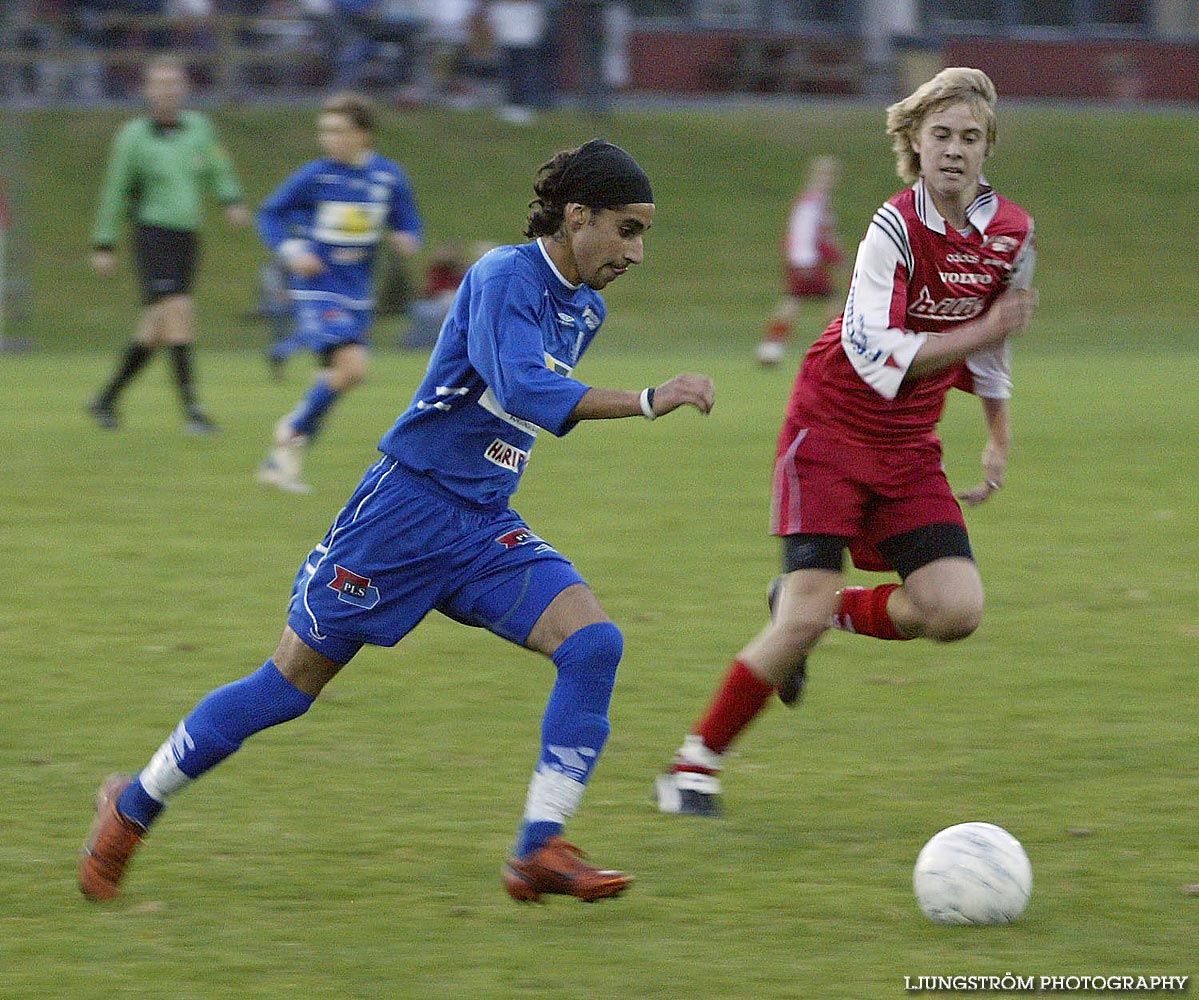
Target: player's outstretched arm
<point>682,390</point>
<point>995,452</point>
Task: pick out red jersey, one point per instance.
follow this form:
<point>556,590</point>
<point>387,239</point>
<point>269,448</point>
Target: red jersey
<point>811,238</point>
<point>443,277</point>
<point>914,276</point>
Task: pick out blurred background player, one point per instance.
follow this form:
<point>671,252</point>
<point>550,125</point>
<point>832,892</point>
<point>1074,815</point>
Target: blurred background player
<point>325,222</point>
<point>160,164</point>
<point>447,267</point>
<point>812,256</point>
<point>430,528</point>
<point>942,280</point>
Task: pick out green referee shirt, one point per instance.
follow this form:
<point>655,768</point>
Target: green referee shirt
<point>157,175</point>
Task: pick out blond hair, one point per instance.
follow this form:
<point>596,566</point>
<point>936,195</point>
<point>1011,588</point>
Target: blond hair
<point>950,86</point>
<point>823,169</point>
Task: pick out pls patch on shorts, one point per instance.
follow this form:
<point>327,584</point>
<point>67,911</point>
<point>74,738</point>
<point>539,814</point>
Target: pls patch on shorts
<point>353,589</point>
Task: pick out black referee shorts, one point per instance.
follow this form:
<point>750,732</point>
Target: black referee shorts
<point>165,260</point>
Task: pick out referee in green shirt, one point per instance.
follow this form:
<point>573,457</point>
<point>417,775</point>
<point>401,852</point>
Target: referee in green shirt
<point>160,165</point>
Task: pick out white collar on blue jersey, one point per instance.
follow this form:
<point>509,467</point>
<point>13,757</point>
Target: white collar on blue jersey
<point>979,214</point>
<point>554,267</point>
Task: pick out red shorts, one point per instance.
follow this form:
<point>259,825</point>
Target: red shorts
<point>808,282</point>
<point>826,486</point>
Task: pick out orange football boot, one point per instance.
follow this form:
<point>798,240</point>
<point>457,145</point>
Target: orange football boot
<point>558,868</point>
<point>110,845</point>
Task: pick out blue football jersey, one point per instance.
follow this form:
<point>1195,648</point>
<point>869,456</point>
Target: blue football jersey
<point>499,374</point>
<point>341,211</point>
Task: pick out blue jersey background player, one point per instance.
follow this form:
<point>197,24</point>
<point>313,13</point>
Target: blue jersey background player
<point>429,528</point>
<point>325,223</point>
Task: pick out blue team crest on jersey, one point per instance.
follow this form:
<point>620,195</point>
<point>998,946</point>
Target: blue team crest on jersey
<point>354,589</point>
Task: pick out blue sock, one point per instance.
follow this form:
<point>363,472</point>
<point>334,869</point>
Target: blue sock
<point>310,414</point>
<point>136,804</point>
<point>214,729</point>
<point>573,731</point>
<point>284,347</point>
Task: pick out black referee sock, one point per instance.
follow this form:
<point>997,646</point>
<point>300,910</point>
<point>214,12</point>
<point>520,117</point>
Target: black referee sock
<point>136,356</point>
<point>181,356</point>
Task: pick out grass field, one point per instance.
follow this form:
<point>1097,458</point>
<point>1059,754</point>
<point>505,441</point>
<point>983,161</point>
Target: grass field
<point>355,853</point>
<point>1117,264</point>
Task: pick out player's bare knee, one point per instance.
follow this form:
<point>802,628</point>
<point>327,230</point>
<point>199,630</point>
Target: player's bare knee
<point>348,371</point>
<point>799,629</point>
<point>953,623</point>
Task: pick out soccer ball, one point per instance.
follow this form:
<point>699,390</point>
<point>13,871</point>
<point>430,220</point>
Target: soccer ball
<point>972,873</point>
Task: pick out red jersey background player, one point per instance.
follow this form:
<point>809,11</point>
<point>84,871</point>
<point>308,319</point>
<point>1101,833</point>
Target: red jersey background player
<point>811,254</point>
<point>941,281</point>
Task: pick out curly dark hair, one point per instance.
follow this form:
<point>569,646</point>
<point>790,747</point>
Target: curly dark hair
<point>548,209</point>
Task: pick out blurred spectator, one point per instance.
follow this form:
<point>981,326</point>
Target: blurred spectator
<point>447,268</point>
<point>546,55</point>
<point>593,85</point>
<point>193,28</point>
<point>105,25</point>
<point>355,33</point>
<point>281,33</point>
<point>398,37</point>
<point>344,28</point>
<point>460,59</point>
<point>518,27</point>
<point>599,41</point>
<point>29,26</point>
<point>618,26</point>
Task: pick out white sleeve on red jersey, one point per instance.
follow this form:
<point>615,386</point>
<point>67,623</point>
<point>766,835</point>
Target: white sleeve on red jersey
<point>880,353</point>
<point>803,232</point>
<point>991,371</point>
<point>991,368</point>
<point>1026,261</point>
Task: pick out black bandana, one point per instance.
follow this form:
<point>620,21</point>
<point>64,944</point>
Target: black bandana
<point>601,175</point>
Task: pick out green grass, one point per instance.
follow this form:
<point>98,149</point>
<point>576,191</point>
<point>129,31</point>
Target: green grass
<point>1116,259</point>
<point>355,853</point>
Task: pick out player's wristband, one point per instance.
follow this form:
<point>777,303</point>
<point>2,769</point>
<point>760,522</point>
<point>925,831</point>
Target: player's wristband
<point>289,250</point>
<point>647,403</point>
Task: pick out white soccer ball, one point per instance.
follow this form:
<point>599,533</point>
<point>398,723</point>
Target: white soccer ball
<point>972,873</point>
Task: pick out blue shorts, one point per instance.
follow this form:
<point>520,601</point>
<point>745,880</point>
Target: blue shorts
<point>398,551</point>
<point>322,326</point>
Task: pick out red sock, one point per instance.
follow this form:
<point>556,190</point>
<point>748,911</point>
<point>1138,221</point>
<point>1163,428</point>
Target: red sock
<point>777,330</point>
<point>864,611</point>
<point>735,706</point>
